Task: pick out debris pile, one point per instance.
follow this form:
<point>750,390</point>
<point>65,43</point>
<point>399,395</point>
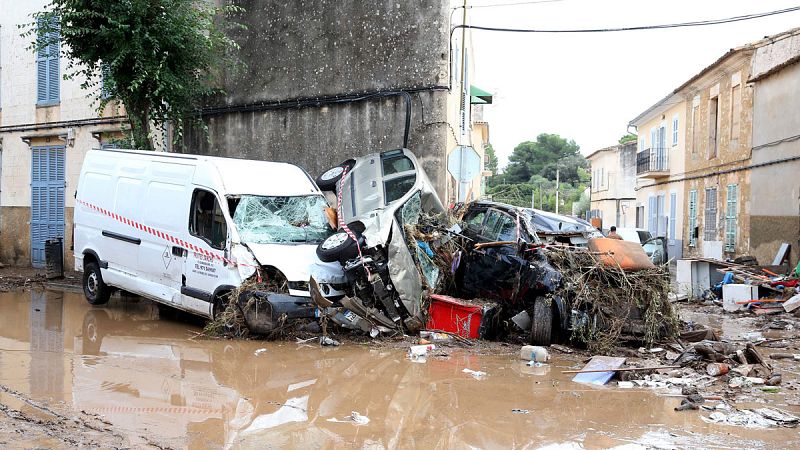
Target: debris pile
<point>614,297</point>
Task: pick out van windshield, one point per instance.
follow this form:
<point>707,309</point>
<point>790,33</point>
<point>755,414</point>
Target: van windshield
<point>276,220</point>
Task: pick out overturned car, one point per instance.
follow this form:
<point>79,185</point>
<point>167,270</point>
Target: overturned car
<point>378,197</point>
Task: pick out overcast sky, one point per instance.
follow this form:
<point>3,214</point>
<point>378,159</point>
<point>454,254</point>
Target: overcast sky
<point>587,87</point>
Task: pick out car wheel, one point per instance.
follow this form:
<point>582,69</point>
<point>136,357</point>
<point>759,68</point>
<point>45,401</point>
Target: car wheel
<point>337,247</point>
<point>542,322</point>
<point>328,180</point>
<point>95,290</point>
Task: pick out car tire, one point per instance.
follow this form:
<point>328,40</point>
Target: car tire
<point>337,247</point>
<point>328,180</point>
<point>542,322</point>
<point>95,290</point>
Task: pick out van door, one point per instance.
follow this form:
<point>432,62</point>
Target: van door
<point>205,268</point>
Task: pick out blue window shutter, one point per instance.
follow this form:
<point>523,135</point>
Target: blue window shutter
<point>48,70</point>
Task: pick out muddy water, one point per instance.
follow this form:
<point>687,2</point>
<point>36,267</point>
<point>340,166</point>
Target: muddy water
<point>149,375</point>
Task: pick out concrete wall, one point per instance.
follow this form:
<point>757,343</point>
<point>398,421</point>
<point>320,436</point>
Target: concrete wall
<point>733,152</point>
<point>318,48</point>
<point>778,220</point>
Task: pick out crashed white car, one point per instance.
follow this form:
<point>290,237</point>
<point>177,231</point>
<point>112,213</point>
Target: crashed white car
<point>379,195</point>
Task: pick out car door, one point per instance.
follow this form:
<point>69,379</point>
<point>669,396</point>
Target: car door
<point>205,265</point>
<point>493,272</point>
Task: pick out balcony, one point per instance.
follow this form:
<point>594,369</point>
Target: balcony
<point>652,163</point>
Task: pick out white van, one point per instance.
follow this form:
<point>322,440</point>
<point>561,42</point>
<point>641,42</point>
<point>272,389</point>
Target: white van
<point>184,230</point>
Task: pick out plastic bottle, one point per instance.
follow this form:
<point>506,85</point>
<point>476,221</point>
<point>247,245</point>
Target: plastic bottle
<point>534,353</point>
<point>415,351</point>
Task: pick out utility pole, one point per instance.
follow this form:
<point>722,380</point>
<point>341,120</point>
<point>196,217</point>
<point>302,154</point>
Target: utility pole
<point>557,186</point>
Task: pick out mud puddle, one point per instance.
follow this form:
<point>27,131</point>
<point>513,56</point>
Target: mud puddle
<point>151,376</point>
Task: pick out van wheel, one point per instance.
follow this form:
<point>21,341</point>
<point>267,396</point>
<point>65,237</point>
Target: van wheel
<point>95,290</point>
<point>337,247</point>
<point>542,323</point>
<point>327,181</point>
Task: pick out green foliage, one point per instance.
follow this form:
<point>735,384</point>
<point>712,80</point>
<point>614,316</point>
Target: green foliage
<point>531,172</point>
<point>492,159</point>
<point>534,157</point>
<point>159,57</point>
<point>630,137</point>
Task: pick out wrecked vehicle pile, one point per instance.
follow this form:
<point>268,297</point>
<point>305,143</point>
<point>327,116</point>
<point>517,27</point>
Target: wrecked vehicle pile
<point>408,263</point>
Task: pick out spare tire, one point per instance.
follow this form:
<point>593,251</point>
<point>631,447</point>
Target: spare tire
<point>542,322</point>
<point>337,247</point>
<point>328,180</point>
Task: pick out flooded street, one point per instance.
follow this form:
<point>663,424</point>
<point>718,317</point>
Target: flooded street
<point>151,377</point>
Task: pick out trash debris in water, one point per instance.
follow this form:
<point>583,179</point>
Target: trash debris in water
<point>520,411</point>
<point>355,418</point>
<point>477,374</point>
<point>260,351</point>
<point>326,341</point>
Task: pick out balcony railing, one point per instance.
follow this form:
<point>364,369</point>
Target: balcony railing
<point>652,161</point>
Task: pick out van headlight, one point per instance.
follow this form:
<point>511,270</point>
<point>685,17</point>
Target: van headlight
<point>245,262</point>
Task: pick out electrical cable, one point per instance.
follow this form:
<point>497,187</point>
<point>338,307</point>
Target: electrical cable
<point>498,5</point>
<point>697,23</point>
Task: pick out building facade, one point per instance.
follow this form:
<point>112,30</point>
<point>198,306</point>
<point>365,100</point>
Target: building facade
<point>718,150</point>
<point>719,105</point>
<point>612,192</point>
<point>47,124</point>
<point>660,169</point>
<point>775,173</point>
<point>325,81</point>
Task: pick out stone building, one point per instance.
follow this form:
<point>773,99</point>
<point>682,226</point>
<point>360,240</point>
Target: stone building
<point>612,195</point>
<point>775,173</point>
<point>660,161</point>
<point>324,81</point>
<point>46,126</point>
<point>724,146</point>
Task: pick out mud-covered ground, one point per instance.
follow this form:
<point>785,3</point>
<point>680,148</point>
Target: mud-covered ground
<point>132,375</point>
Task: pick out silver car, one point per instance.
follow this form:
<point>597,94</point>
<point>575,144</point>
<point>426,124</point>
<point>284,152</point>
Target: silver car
<point>378,196</point>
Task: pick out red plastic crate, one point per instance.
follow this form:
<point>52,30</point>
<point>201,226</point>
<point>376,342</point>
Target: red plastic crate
<point>451,315</point>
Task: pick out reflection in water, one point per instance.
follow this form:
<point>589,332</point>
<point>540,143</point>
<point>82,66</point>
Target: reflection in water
<point>152,376</point>
<point>47,345</point>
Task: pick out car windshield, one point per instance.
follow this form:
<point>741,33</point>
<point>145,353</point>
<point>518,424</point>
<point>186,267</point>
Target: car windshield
<point>277,220</point>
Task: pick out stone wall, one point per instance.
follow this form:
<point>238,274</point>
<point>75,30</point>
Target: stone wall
<point>311,49</point>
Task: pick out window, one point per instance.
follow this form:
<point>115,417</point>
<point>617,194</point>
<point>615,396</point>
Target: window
<point>713,126</point>
<point>474,220</point>
<point>695,128</point>
<point>47,67</point>
<point>105,82</point>
<point>673,215</point>
<point>640,217</point>
<point>641,144</point>
<point>661,224</point>
<point>395,188</point>
<point>710,220</point>
<point>206,220</point>
<point>692,217</point>
<point>730,218</point>
<point>675,130</point>
<point>653,137</point>
<point>652,213</point>
<point>736,108</point>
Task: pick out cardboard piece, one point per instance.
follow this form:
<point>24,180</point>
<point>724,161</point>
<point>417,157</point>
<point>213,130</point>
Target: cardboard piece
<point>599,362</point>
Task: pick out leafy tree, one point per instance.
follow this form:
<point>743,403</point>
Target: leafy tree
<point>531,157</point>
<point>630,137</point>
<point>492,157</point>
<point>157,56</point>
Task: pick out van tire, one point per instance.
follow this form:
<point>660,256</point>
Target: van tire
<point>328,180</point>
<point>337,247</point>
<point>542,323</point>
<point>95,290</point>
